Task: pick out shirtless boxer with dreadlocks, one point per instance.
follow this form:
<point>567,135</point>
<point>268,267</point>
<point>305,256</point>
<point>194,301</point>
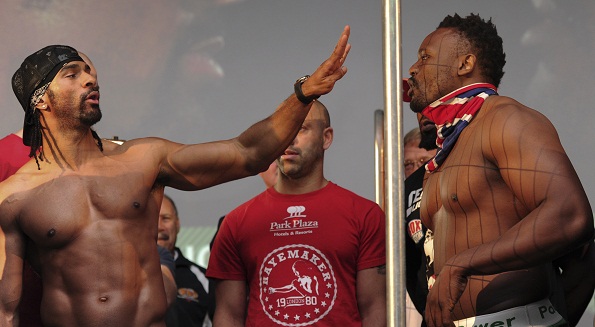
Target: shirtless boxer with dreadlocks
<point>90,211</point>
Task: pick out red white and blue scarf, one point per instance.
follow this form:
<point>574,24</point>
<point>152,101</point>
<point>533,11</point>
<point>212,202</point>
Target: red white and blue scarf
<point>452,113</point>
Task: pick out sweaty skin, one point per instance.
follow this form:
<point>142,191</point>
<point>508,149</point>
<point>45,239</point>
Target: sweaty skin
<point>91,216</point>
<point>504,204</point>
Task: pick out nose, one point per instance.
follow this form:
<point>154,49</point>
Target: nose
<point>413,69</point>
<point>90,80</point>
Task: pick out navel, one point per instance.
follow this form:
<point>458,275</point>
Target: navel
<point>136,205</point>
<point>103,299</point>
<point>51,233</point>
<point>454,197</point>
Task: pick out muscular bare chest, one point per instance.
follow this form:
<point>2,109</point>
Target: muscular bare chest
<point>467,201</point>
<point>457,183</point>
<point>62,208</point>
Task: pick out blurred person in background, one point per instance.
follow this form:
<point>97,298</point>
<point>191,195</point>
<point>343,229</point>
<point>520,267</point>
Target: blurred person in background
<point>419,148</point>
<point>194,304</point>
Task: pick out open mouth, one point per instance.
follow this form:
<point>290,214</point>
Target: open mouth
<point>407,91</point>
<point>93,97</point>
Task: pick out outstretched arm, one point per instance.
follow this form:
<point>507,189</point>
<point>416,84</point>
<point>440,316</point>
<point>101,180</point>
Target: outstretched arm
<point>192,167</point>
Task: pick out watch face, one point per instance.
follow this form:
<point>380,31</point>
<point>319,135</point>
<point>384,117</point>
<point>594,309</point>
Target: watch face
<point>302,79</point>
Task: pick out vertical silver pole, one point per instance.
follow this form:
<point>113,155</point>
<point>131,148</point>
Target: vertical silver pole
<point>379,157</point>
<point>393,132</point>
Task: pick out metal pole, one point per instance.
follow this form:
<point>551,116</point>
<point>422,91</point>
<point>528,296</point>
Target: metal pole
<point>395,209</point>
<point>379,172</point>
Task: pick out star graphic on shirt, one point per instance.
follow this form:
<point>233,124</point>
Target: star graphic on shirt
<point>296,317</point>
<point>286,316</point>
<point>323,303</point>
<point>329,285</point>
<point>316,310</point>
<point>307,315</point>
<point>270,307</point>
<point>327,295</point>
<point>277,313</point>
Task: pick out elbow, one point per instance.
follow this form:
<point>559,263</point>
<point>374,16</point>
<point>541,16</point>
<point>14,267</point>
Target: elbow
<point>257,164</point>
<point>589,234</point>
<point>253,161</point>
<point>583,230</point>
<point>256,167</point>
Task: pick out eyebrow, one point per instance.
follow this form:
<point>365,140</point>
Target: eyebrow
<point>74,65</point>
<point>70,65</point>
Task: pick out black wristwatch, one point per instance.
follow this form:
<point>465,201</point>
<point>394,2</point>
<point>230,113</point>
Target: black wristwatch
<point>297,87</point>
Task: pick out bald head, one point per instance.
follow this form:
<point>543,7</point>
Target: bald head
<point>318,111</point>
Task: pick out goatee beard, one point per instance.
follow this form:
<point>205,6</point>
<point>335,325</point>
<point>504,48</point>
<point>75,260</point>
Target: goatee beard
<point>91,118</point>
<point>416,106</point>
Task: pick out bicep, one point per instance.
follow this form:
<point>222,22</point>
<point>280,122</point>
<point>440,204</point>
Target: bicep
<point>371,293</point>
<point>531,160</point>
<point>538,172</point>
<point>198,166</point>
<point>231,297</point>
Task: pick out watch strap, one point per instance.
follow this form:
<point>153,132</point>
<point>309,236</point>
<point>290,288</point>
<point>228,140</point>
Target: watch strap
<point>297,87</point>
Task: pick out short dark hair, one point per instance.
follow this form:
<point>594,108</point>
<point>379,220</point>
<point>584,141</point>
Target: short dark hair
<point>484,39</point>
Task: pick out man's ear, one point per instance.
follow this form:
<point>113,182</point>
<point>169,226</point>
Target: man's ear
<point>327,135</point>
<point>42,104</point>
<point>466,64</point>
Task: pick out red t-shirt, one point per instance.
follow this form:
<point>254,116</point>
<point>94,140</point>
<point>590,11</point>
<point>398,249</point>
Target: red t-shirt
<point>300,255</point>
<point>13,155</point>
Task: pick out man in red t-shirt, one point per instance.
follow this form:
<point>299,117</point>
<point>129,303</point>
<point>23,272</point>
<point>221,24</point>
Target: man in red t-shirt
<point>303,252</point>
<point>13,154</point>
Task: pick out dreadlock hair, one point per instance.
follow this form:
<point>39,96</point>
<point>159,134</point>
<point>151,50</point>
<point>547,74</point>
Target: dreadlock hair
<point>98,139</point>
<point>483,38</point>
<point>36,141</point>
